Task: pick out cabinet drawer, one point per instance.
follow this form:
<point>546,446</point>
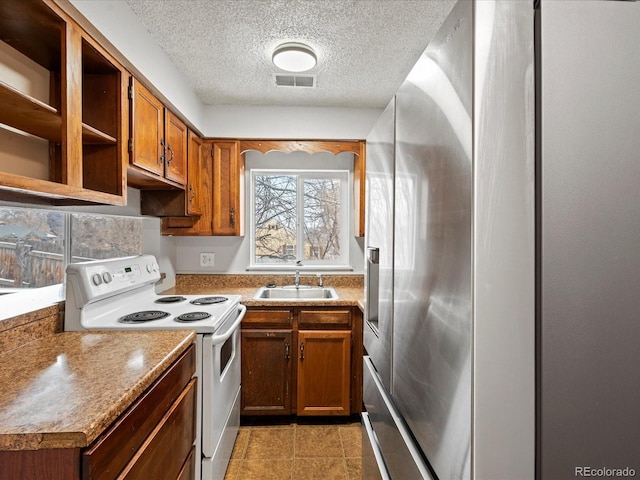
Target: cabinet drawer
<point>165,451</point>
<point>267,318</point>
<point>115,448</point>
<point>325,318</point>
<point>188,471</point>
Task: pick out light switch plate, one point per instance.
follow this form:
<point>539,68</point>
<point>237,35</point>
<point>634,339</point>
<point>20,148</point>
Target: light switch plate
<point>207,259</point>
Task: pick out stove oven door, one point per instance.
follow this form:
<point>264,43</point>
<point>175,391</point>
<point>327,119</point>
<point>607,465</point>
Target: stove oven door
<point>220,395</point>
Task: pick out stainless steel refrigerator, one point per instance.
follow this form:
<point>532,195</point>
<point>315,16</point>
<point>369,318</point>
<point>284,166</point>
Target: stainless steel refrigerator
<point>503,249</point>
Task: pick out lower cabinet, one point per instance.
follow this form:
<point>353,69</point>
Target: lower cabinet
<point>176,429</point>
<point>301,361</point>
<point>154,438</point>
<point>266,372</point>
<point>324,372</point>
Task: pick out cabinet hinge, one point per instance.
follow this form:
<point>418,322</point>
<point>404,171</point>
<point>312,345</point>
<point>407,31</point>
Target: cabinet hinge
<point>130,90</point>
<point>130,145</point>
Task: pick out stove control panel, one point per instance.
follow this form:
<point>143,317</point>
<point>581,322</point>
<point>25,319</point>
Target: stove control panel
<point>92,281</point>
<point>128,273</point>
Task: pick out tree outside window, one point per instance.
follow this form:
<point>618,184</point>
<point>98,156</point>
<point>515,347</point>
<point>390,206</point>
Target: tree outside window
<point>299,217</point>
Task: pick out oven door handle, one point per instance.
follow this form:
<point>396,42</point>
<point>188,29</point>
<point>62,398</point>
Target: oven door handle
<point>215,339</point>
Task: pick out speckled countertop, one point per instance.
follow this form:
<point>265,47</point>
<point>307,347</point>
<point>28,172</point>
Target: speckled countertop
<point>346,296</point>
<point>348,287</point>
<point>64,390</point>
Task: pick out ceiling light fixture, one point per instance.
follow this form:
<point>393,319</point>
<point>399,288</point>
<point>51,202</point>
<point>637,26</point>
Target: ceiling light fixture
<point>294,57</point>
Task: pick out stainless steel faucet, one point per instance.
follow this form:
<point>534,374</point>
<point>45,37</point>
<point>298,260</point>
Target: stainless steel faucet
<point>296,282</point>
<point>319,275</point>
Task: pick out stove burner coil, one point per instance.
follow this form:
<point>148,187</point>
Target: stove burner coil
<point>172,299</point>
<point>145,316</point>
<point>208,300</point>
<point>192,317</point>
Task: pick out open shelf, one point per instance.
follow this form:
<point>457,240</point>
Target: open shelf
<point>94,136</point>
<point>37,118</point>
<point>33,29</point>
<point>82,116</point>
<point>17,188</point>
<point>29,114</point>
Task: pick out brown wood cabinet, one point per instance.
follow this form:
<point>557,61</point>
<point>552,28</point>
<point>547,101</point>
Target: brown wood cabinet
<point>220,194</point>
<point>196,183</point>
<point>161,420</point>
<point>228,188</point>
<point>83,118</point>
<point>176,139</point>
<point>324,372</point>
<point>301,360</point>
<point>359,184</point>
<point>197,198</point>
<point>158,143</point>
<point>147,130</point>
<point>268,383</point>
<point>267,362</point>
<point>180,209</point>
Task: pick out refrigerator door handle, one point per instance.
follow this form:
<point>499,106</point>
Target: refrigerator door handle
<point>372,287</point>
<point>373,466</point>
<point>373,255</point>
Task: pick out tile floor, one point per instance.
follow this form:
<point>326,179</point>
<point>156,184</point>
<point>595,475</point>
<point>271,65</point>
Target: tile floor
<point>300,450</point>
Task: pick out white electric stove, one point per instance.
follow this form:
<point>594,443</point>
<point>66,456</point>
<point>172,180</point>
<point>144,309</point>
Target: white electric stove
<point>119,294</point>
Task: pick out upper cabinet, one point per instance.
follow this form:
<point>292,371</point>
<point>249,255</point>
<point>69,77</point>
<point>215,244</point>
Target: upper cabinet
<point>176,139</point>
<point>218,192</point>
<point>158,143</point>
<point>220,188</point>
<point>188,211</point>
<point>228,188</point>
<point>147,130</point>
<point>198,181</point>
<point>359,180</point>
<point>63,110</point>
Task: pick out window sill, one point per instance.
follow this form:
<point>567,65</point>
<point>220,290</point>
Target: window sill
<point>29,300</point>
<point>302,268</point>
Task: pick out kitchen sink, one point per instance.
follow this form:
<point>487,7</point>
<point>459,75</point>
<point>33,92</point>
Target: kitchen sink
<point>291,292</point>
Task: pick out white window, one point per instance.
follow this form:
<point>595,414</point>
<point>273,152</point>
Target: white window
<point>300,218</point>
<point>33,244</point>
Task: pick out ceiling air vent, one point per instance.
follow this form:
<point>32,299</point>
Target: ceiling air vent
<point>284,80</point>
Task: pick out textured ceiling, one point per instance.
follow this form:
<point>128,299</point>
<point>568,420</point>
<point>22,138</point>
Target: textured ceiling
<point>365,48</point>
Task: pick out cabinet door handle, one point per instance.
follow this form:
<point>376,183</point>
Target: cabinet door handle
<point>172,154</point>
<point>286,351</point>
<point>232,217</point>
<point>301,350</point>
<point>163,153</point>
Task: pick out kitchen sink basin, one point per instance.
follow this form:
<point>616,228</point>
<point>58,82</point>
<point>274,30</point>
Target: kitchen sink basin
<point>291,292</point>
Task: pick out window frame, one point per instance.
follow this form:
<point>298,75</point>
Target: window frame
<point>342,262</point>
<point>20,301</point>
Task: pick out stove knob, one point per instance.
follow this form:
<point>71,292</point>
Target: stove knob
<point>96,279</point>
<point>149,267</point>
<point>106,276</point>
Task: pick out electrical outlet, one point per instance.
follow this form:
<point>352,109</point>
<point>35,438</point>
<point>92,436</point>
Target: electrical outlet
<point>207,259</point>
